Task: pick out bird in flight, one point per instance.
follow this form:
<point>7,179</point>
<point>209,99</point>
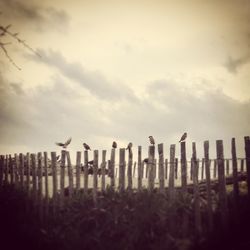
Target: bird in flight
<point>151,140</point>
<point>183,138</point>
<point>114,145</point>
<point>86,146</point>
<point>129,146</point>
<point>64,145</point>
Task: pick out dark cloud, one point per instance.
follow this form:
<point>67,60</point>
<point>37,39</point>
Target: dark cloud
<point>34,15</point>
<point>94,82</point>
<point>232,65</point>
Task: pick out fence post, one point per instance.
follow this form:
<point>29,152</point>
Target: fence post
<point>202,168</point>
<point>54,181</point>
<point>46,212</point>
<point>70,174</point>
<point>28,173</point>
<point>227,167</point>
<point>183,167</point>
<point>247,151</point>
<point>1,169</point>
<point>151,158</point>
<point>130,163</point>
<point>222,183</point>
<point>197,216</point>
<point>103,169</point>
<point>16,174</point>
<point>215,168</point>
<point>161,168</point>
<point>139,169</point>
<point>208,186</point>
<point>78,172</point>
<point>11,170</point>
<point>134,168</point>
<point>62,177</point>
<point>95,168</point>
<point>166,169</point>
<point>122,170</point>
<point>86,172</point>
<point>176,168</point>
<point>112,168</point>
<point>40,186</point>
<point>34,176</point>
<point>241,165</point>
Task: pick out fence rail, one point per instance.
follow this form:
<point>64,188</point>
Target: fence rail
<point>47,179</point>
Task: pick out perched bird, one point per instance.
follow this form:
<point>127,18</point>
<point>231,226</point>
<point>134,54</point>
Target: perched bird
<point>114,145</point>
<point>86,146</point>
<point>183,138</point>
<point>91,162</point>
<point>152,140</point>
<point>64,145</point>
<point>129,146</point>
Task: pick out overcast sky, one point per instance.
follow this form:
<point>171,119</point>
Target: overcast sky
<point>124,70</point>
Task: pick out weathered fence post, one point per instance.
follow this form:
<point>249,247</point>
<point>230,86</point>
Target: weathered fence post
<point>161,168</point>
<point>222,183</point>
<point>202,168</point>
<point>78,170</point>
<point>54,181</point>
<point>95,169</point>
<point>129,173</point>
<point>197,215</point>
<point>227,166</point>
<point>6,170</point>
<point>21,169</point>
<point>112,168</point>
<point>45,155</point>
<point>62,177</point>
<point>215,169</point>
<point>103,169</point>
<point>122,170</point>
<point>28,173</point>
<point>16,172</point>
<point>241,165</point>
<point>70,174</point>
<point>139,169</point>
<point>208,186</point>
<point>11,165</point>
<point>166,168</point>
<point>86,172</point>
<point>1,169</point>
<point>176,168</point>
<point>151,158</point>
<point>247,151</point>
<point>34,176</point>
<point>40,186</point>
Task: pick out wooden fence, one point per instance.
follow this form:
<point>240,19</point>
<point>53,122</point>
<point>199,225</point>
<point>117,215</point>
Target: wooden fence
<point>48,181</point>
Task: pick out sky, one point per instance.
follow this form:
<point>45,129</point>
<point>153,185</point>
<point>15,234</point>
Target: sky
<point>124,70</point>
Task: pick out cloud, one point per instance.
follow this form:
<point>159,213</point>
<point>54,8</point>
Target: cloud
<point>232,65</point>
<point>93,81</point>
<point>41,18</point>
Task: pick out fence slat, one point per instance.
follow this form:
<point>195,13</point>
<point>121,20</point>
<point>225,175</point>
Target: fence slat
<point>54,181</point>
<point>21,170</point>
<point>40,186</point>
<point>46,183</point>
<point>11,172</point>
<point>129,173</point>
<point>112,168</point>
<point>78,170</point>
<point>161,168</point>
<point>6,171</point>
<point>183,167</point>
<point>197,214</point>
<point>222,183</point>
<point>176,168</point>
<point>16,166</point>
<point>140,173</point>
<point>34,176</point>
<point>227,166</point>
<point>86,172</point>
<point>121,186</point>
<point>166,169</point>
<point>215,169</point>
<point>70,174</point>
<point>208,186</point>
<point>202,168</point>
<point>241,165</point>
<point>28,173</point>
<point>95,168</point>
<point>103,168</point>
<point>1,169</point>
<point>151,175</point>
<point>62,177</point>
<point>247,151</point>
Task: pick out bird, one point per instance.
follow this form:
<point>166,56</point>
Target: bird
<point>86,146</point>
<point>114,145</point>
<point>152,140</point>
<point>183,138</point>
<point>64,145</point>
<point>145,160</point>
<point>91,162</point>
<point>129,146</point>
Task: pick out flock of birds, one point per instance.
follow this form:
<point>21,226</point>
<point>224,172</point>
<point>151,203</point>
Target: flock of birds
<point>114,144</point>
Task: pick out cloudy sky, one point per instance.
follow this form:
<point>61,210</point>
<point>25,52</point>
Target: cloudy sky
<point>124,70</point>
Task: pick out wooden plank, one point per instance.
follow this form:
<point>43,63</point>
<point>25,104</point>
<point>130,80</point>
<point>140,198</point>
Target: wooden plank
<point>208,186</point>
<point>154,168</point>
<point>129,173</point>
<point>176,168</point>
<point>16,173</point>
<point>134,168</point>
<point>183,167</point>
<point>235,175</point>
<point>143,167</point>
<point>215,169</point>
<point>171,189</point>
<point>202,168</point>
<point>21,170</point>
<point>112,168</point>
<point>140,173</point>
<point>103,168</point>
<point>34,176</point>
<point>227,166</point>
<point>161,168</point>
<point>166,169</point>
<point>28,173</point>
<point>1,169</point>
<point>197,214</point>
<point>151,176</point>
<point>62,177</point>
<point>247,151</point>
<point>11,172</point>
<point>70,174</point>
<point>46,183</point>
<point>222,183</point>
<point>78,170</point>
<point>191,170</point>
<point>40,186</point>
<point>241,165</point>
<point>95,168</point>
<point>6,169</point>
<point>121,186</point>
<point>54,182</point>
<point>86,172</point>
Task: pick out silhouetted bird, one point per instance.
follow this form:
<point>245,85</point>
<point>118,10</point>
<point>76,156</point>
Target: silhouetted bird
<point>146,160</point>
<point>152,140</point>
<point>129,146</point>
<point>183,138</point>
<point>86,146</point>
<point>91,162</point>
<point>64,145</point>
<point>114,145</point>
